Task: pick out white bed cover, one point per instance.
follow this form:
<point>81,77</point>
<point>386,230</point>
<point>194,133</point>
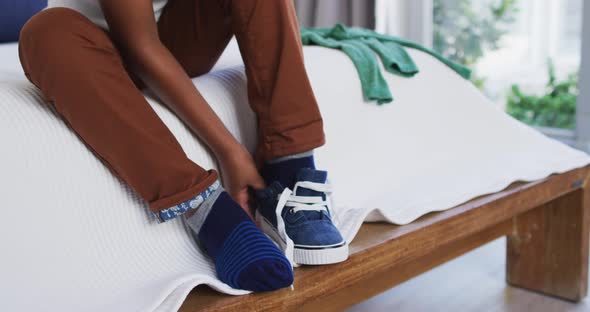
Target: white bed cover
<point>74,238</point>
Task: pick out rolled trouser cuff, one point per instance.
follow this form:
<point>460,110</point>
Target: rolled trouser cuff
<point>191,203</point>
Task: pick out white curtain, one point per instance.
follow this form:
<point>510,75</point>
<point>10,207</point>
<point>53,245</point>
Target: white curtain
<point>326,13</point>
<point>410,19</point>
<point>583,105</point>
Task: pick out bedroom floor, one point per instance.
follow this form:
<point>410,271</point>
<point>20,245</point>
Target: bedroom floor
<point>472,282</point>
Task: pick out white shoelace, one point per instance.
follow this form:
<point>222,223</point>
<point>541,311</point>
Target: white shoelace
<point>309,203</point>
<point>300,203</point>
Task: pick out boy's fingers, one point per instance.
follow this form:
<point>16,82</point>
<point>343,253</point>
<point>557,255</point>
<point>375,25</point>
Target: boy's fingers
<point>242,199</point>
<point>258,183</point>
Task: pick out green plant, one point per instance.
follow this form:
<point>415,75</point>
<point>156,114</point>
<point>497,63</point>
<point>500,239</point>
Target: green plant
<point>463,31</point>
<point>556,108</point>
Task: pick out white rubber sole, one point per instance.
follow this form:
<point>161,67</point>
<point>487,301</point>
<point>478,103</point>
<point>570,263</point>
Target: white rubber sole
<point>308,255</point>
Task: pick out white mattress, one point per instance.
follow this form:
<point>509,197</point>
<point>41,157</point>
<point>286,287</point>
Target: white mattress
<point>74,238</point>
<point>10,69</point>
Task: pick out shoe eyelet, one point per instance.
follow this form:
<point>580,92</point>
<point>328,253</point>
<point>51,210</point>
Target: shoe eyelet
<point>291,211</point>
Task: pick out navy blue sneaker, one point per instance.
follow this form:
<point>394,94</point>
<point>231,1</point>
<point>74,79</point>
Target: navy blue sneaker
<point>300,221</point>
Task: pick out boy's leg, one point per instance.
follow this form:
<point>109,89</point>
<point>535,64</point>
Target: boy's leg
<point>81,73</point>
<point>289,120</point>
<point>279,92</point>
<point>290,127</point>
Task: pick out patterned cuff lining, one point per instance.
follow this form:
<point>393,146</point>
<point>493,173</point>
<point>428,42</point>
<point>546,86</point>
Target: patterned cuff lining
<point>175,211</point>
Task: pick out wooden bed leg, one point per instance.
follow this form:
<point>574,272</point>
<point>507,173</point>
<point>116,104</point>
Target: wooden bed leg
<point>548,248</point>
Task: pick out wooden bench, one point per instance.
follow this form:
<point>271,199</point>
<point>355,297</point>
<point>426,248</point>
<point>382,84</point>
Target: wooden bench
<point>546,222</point>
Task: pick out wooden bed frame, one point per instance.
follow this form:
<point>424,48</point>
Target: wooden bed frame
<point>546,222</point>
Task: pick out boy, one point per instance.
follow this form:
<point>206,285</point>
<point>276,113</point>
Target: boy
<point>90,58</point>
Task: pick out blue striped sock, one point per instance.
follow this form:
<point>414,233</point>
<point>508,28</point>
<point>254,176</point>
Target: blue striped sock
<point>244,257</point>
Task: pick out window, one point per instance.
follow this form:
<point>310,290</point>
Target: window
<point>514,47</point>
<point>525,53</point>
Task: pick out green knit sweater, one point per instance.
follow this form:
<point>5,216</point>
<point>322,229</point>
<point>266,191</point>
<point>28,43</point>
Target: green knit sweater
<point>361,44</point>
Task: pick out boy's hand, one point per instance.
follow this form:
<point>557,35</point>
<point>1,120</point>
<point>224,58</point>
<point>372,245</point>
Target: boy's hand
<point>238,172</point>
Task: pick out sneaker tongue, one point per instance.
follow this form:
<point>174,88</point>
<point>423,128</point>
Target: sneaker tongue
<point>312,175</point>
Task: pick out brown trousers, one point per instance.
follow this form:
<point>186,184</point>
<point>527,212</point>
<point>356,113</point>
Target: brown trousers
<point>81,73</point>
